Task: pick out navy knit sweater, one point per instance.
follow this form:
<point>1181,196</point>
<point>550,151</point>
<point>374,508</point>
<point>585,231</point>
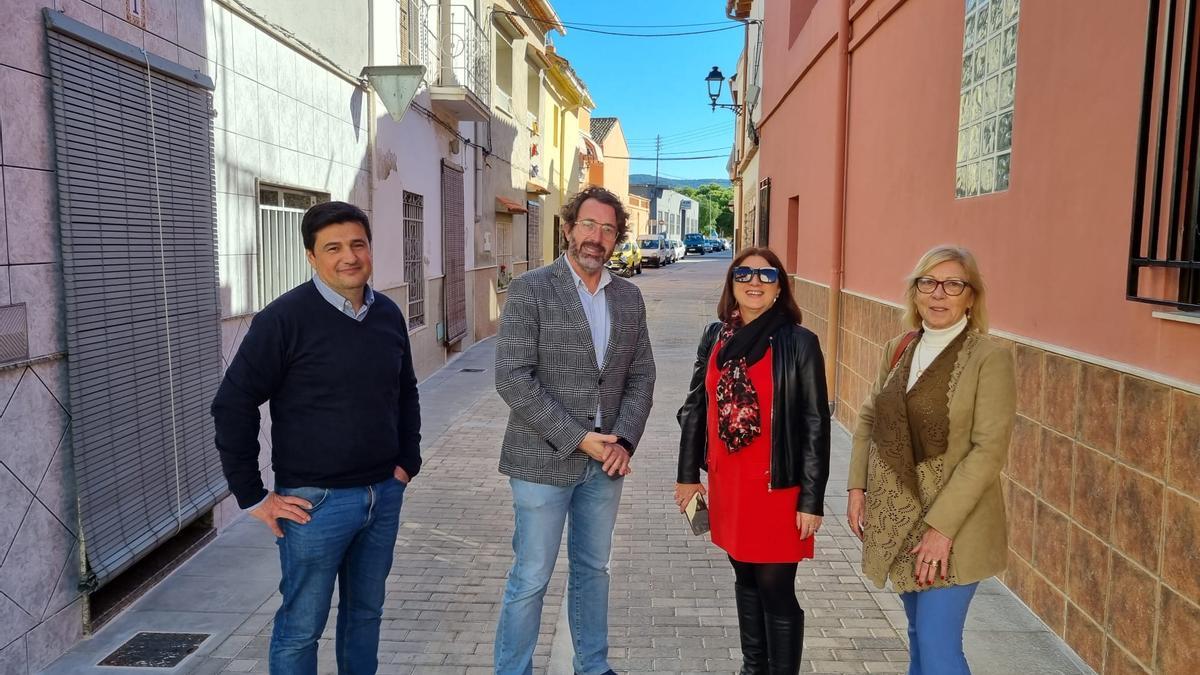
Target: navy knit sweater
<point>343,395</point>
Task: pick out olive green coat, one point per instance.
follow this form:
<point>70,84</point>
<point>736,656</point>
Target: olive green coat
<point>969,506</point>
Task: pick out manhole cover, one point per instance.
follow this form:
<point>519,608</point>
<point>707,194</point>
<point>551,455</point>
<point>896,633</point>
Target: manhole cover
<point>155,650</point>
<point>470,370</point>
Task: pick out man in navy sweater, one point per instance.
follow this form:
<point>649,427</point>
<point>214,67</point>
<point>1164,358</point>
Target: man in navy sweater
<point>333,359</point>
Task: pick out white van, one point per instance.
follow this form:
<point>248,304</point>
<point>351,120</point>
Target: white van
<point>654,250</point>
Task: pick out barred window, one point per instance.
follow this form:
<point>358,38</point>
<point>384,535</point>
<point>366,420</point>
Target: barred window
<point>414,257</point>
<point>282,264</point>
<point>1164,256</point>
<point>504,248</point>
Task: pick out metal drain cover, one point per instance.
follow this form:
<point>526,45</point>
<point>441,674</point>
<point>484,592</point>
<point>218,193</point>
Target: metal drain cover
<point>470,370</point>
<point>155,650</point>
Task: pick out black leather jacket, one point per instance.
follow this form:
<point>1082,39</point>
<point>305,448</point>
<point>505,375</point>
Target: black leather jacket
<point>799,416</point>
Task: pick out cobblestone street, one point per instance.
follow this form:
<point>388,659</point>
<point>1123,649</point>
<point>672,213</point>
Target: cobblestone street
<point>672,593</point>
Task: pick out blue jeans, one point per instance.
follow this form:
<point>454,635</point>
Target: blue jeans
<point>935,629</point>
<point>350,539</point>
<point>590,509</point>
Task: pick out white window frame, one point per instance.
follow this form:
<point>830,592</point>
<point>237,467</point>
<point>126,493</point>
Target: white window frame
<point>282,263</point>
<point>504,99</point>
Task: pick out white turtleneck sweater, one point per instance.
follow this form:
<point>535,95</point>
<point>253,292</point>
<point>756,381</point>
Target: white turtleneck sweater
<point>931,344</point>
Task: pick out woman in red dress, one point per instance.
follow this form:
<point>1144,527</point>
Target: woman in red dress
<point>757,420</point>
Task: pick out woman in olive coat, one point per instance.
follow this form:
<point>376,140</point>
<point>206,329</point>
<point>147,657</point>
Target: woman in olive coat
<point>931,441</point>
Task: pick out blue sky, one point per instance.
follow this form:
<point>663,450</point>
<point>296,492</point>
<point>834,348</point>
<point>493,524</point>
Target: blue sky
<point>656,85</point>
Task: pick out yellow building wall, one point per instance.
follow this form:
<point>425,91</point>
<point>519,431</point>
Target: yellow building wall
<point>616,167</point>
<point>563,164</point>
<point>639,216</point>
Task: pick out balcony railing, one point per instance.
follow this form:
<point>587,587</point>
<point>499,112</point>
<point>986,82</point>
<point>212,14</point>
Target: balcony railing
<point>470,54</point>
<point>419,39</point>
<point>461,59</point>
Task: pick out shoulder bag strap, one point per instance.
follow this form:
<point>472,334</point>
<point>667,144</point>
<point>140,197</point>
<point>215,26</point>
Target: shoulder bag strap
<point>904,343</point>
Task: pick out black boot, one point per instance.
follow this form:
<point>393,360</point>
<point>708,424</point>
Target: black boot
<point>753,628</point>
<point>785,643</point>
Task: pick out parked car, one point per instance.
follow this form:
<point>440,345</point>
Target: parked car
<point>679,250</point>
<point>654,251</point>
<point>695,243</point>
<point>626,258</point>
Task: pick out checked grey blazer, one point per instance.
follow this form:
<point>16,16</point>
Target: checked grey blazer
<point>546,372</point>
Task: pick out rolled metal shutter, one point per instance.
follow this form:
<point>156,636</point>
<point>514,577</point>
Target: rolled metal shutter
<point>136,202</point>
<point>534,233</point>
<point>454,253</point>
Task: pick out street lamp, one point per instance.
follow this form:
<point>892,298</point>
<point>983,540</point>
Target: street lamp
<point>715,79</point>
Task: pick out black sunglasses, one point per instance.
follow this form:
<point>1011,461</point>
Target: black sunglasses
<point>767,275</point>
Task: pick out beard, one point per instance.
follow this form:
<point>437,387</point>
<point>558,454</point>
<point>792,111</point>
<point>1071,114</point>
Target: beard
<point>590,256</point>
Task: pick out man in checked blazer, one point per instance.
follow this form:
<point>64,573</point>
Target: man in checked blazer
<point>573,362</point>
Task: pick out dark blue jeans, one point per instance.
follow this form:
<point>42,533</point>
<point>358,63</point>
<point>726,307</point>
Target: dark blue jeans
<point>350,539</point>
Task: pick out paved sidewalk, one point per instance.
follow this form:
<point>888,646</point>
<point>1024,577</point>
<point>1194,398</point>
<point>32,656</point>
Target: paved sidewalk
<point>672,605</point>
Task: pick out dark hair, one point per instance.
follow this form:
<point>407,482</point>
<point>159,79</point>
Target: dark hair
<point>570,210</point>
<point>323,215</point>
<point>728,303</point>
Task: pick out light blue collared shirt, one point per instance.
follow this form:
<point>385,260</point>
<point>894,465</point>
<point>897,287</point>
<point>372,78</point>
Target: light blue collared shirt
<point>595,308</point>
<point>342,304</point>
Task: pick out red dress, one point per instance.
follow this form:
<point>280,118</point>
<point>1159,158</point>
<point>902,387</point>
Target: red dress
<point>750,521</point>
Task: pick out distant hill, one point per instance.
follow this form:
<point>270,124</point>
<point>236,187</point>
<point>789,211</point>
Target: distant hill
<point>648,179</point>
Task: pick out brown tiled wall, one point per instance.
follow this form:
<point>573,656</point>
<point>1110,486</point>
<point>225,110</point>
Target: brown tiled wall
<point>814,303</point>
<point>1102,489</point>
<point>866,326</point>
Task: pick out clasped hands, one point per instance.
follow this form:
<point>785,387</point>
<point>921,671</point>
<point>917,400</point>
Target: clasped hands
<point>605,449</point>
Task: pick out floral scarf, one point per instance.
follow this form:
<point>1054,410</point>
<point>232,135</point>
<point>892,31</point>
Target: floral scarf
<point>739,421</point>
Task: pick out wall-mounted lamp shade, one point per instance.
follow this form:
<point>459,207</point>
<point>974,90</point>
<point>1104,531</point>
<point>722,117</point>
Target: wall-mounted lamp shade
<point>396,86</point>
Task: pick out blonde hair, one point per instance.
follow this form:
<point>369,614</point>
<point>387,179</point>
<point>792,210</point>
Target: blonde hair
<point>977,314</point>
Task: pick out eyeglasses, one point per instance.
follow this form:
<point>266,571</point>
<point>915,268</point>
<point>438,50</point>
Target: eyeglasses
<point>928,285</point>
<point>767,275</point>
<point>589,226</point>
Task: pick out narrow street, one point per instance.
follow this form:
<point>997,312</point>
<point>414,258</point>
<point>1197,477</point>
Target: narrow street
<point>166,167</point>
<point>672,604</point>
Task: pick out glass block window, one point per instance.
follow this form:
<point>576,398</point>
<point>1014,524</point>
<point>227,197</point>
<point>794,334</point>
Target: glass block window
<point>985,104</point>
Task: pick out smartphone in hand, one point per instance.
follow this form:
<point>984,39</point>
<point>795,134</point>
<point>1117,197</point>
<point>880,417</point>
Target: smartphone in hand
<point>696,513</point>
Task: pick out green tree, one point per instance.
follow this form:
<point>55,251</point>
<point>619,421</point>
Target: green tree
<point>716,216</point>
<point>725,224</point>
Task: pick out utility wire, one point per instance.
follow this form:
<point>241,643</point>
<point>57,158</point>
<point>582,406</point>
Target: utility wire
<point>666,159</point>
<point>620,25</point>
<point>710,127</point>
<point>683,142</point>
<point>683,139</point>
<point>685,152</point>
<point>718,136</point>
<point>585,29</point>
<point>651,35</point>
